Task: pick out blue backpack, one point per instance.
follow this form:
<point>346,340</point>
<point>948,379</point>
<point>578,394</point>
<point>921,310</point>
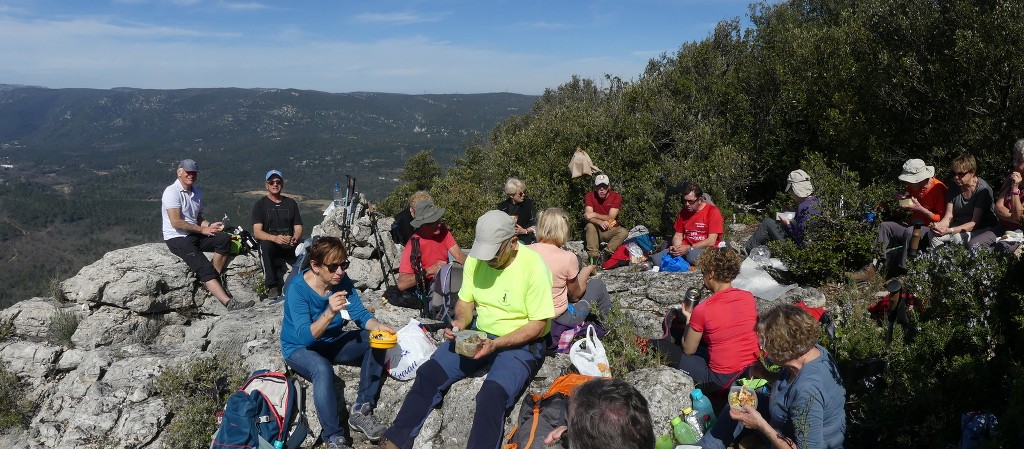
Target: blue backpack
<point>260,414</point>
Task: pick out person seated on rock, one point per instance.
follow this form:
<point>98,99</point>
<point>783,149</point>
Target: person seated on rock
<point>509,287</point>
<point>188,235</point>
<point>277,225</point>
<point>720,342</point>
<point>806,407</point>
<point>800,189</point>
<point>968,205</point>
<point>606,414</point>
<point>698,227</point>
<point>521,209</point>
<point>402,229</point>
<point>1009,205</point>
<point>601,212</point>
<point>320,303</point>
<point>925,199</point>
<point>574,292</point>
<point>436,245</point>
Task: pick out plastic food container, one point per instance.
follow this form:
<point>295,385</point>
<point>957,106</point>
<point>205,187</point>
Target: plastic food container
<point>383,339</point>
<point>467,342</point>
<point>740,396</point>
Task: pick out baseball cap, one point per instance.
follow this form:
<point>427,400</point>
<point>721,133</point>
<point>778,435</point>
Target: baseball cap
<point>601,179</point>
<point>274,173</point>
<point>492,230</point>
<point>189,165</point>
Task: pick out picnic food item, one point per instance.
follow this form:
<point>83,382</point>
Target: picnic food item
<point>740,396</point>
<point>382,339</point>
<point>467,343</point>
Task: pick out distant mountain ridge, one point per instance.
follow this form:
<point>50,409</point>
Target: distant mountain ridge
<point>89,164</point>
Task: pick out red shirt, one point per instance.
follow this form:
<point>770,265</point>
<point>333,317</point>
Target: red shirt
<point>603,207</point>
<point>727,319</point>
<point>932,198</point>
<point>433,249</point>
<point>695,226</point>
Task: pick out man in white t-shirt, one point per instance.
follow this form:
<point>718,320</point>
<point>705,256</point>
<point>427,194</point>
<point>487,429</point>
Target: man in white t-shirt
<point>188,235</point>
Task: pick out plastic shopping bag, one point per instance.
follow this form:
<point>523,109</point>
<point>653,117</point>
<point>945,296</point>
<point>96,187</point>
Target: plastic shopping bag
<point>671,264</point>
<point>413,349</point>
<point>588,356</point>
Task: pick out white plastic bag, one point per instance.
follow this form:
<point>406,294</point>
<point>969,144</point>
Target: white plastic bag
<point>588,356</point>
<point>413,349</point>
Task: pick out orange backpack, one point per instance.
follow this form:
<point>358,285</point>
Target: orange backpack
<point>542,413</point>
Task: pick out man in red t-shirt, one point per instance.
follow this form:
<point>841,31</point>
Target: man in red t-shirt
<point>925,199</point>
<point>601,210</point>
<point>436,244</point>
<point>698,227</point>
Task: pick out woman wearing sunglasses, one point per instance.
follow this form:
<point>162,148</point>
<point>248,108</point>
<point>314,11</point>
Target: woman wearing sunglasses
<point>318,305</point>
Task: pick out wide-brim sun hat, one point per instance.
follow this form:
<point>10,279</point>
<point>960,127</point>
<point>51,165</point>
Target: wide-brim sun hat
<point>426,212</point>
<point>493,229</point>
<point>800,183</point>
<point>915,170</point>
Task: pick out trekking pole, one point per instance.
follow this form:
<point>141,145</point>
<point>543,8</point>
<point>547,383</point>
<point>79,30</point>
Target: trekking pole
<point>385,261</point>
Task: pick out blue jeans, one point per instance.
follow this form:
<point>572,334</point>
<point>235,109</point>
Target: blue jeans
<point>317,366</point>
<point>510,372</point>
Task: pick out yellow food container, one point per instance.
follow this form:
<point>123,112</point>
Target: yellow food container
<point>383,339</point>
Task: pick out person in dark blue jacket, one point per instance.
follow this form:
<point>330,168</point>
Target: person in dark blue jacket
<point>795,226</point>
<point>319,303</point>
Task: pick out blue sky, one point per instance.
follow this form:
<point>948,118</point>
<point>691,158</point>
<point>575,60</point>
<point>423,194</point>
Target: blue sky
<point>438,46</point>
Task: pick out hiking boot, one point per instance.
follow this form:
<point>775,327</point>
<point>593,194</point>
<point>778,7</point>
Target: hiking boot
<point>235,304</point>
<point>361,419</point>
<point>865,274</point>
<point>338,442</point>
<point>385,444</point>
<point>273,293</point>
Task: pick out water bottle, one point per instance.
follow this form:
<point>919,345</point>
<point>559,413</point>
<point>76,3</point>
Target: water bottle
<point>339,198</point>
<point>684,433</point>
<point>665,441</point>
<point>694,421</point>
<point>704,410</point>
<point>278,444</point>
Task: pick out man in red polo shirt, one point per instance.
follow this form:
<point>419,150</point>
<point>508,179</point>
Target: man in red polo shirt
<point>601,210</point>
<point>698,227</point>
<point>436,244</point>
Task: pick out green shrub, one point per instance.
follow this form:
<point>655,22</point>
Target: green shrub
<point>15,409</point>
<point>63,325</point>
<point>194,394</point>
<point>620,344</point>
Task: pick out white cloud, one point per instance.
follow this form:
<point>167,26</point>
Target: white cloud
<point>397,18</point>
<point>244,6</point>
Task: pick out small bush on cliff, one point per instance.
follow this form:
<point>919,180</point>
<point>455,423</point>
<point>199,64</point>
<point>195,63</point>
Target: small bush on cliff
<point>194,394</point>
<point>15,408</point>
<point>63,325</point>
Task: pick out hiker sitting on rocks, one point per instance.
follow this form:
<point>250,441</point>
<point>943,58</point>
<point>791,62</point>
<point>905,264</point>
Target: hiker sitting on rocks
<point>402,228</point>
<point>968,205</point>
<point>925,199</point>
<point>574,292</point>
<point>606,414</point>
<point>436,244</point>
<point>188,235</point>
<point>601,211</point>
<point>1009,205</point>
<point>724,323</point>
<point>800,189</point>
<point>277,225</point>
<point>521,209</point>
<point>509,287</point>
<point>313,341</point>
<point>698,227</point>
<point>806,408</point>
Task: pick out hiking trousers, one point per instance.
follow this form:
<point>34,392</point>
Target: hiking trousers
<point>594,236</point>
<point>273,271</point>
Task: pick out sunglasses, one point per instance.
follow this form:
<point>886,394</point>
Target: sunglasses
<point>332,267</point>
<point>191,173</point>
<point>275,182</point>
<point>693,201</point>
<point>961,174</point>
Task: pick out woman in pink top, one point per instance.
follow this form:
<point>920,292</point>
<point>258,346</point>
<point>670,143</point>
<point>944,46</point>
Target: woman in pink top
<point>724,323</point>
<point>1008,203</point>
<point>575,294</point>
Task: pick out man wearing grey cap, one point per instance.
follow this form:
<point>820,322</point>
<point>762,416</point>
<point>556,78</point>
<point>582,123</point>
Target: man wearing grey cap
<point>277,225</point>
<point>509,287</point>
<point>800,189</point>
<point>188,235</point>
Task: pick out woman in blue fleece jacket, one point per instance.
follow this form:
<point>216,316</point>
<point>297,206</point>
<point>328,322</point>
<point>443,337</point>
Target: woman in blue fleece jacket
<point>313,340</point>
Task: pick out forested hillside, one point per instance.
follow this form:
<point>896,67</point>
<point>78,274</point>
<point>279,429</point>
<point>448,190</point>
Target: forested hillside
<point>847,90</point>
<point>89,165</point>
